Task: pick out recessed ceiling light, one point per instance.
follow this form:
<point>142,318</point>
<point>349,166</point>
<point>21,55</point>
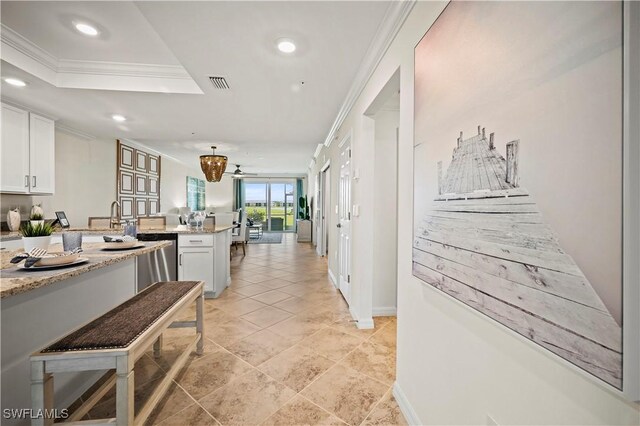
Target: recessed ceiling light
<point>15,82</point>
<point>286,46</point>
<point>118,117</point>
<point>86,29</point>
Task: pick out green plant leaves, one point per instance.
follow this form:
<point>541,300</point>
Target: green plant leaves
<point>39,230</point>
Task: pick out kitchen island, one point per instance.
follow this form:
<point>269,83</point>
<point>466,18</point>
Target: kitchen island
<point>6,236</point>
<point>38,307</point>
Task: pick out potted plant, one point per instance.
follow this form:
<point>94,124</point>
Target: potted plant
<point>303,213</point>
<point>36,219</point>
<point>36,236</point>
<point>304,220</point>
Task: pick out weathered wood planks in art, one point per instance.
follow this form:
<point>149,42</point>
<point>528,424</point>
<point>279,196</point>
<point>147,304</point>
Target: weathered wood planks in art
<point>484,241</point>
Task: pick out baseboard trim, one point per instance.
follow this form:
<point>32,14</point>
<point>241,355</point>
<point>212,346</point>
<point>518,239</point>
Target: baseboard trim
<point>365,324</point>
<point>333,278</point>
<point>407,410</point>
<point>385,311</point>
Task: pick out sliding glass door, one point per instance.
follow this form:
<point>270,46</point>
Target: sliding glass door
<point>255,202</point>
<point>271,204</point>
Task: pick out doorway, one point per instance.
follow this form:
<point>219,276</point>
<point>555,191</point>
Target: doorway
<point>325,210</point>
<point>271,204</point>
<point>382,118</point>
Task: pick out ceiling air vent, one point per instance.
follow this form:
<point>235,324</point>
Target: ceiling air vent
<point>219,83</point>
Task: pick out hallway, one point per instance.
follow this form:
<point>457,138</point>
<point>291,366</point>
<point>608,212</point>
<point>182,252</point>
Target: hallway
<point>281,349</point>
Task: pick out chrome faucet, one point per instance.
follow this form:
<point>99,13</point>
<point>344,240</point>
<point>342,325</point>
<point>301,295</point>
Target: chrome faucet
<point>113,221</point>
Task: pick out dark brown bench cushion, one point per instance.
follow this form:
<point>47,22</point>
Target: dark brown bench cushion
<point>124,323</point>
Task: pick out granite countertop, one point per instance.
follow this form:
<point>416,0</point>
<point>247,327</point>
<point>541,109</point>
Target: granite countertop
<point>180,229</point>
<point>15,281</point>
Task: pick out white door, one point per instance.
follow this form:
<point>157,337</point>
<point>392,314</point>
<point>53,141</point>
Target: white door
<point>14,150</point>
<point>196,264</point>
<point>344,224</point>
<point>42,154</point>
<point>326,212</point>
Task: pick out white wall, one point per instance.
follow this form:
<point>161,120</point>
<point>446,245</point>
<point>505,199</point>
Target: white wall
<point>385,220</point>
<point>173,188</point>
<point>220,195</point>
<point>455,365</point>
<point>86,183</point>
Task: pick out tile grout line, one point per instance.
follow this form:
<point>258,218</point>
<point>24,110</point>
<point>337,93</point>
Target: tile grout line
<point>332,309</point>
<point>222,348</point>
<point>375,406</point>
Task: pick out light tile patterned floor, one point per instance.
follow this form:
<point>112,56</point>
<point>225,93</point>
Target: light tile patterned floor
<point>281,349</point>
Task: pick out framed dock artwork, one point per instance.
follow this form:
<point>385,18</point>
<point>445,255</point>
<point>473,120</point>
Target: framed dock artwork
<point>518,172</point>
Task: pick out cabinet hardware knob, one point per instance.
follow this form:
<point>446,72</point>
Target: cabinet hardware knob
<point>26,181</point>
<point>180,259</point>
<point>33,181</point>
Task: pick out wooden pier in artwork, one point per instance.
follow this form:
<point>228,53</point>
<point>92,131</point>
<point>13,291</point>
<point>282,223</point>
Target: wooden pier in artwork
<point>484,242</point>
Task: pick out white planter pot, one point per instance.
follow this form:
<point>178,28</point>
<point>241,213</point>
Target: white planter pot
<point>36,242</point>
<point>36,222</point>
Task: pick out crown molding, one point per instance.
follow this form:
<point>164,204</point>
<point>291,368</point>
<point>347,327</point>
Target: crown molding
<point>73,131</point>
<point>318,149</point>
<point>393,20</point>
<point>71,66</point>
<point>28,108</point>
<point>14,40</point>
<point>101,75</point>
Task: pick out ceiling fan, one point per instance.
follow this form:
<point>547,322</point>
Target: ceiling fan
<point>237,173</point>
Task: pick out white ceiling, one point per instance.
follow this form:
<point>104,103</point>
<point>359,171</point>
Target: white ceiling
<point>268,122</point>
<point>125,34</point>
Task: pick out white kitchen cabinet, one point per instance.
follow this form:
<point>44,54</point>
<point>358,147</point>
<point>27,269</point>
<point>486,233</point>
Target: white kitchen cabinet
<point>42,154</point>
<point>196,264</point>
<point>14,150</point>
<point>28,152</point>
<point>205,257</point>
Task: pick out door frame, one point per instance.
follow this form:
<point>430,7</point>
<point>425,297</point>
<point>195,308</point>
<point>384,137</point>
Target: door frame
<point>268,182</point>
<point>292,182</point>
<point>345,285</point>
<point>325,199</point>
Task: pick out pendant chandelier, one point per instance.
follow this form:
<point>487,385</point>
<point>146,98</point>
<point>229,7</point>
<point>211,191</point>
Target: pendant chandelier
<point>213,165</point>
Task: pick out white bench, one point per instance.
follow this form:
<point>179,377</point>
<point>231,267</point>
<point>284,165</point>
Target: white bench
<point>115,341</point>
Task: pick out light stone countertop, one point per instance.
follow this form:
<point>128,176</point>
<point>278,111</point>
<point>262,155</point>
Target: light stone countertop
<point>180,229</point>
<point>14,280</point>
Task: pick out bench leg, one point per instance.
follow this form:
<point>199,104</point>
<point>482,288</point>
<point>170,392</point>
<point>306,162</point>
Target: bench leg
<point>200,322</point>
<point>41,394</point>
<point>124,392</point>
<point>157,347</point>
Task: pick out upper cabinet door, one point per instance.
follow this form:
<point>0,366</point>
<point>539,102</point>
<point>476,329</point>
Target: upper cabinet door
<point>42,154</point>
<point>14,150</point>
